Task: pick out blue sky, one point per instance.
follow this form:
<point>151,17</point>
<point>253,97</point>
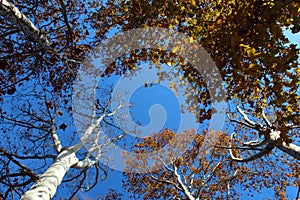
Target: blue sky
<point>158,103</point>
<point>155,108</point>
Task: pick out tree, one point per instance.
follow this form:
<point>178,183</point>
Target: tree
<point>44,43</point>
<point>202,172</point>
<point>258,66</point>
<point>43,125</point>
<point>41,49</point>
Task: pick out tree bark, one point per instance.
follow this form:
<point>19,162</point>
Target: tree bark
<point>45,188</point>
<point>12,14</point>
<point>291,149</point>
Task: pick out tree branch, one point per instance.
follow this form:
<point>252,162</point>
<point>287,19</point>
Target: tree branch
<point>165,181</point>
<point>245,116</point>
<point>55,138</point>
<point>291,149</point>
<point>265,118</point>
<point>3,35</point>
<point>25,169</point>
<point>182,185</point>
<point>209,177</point>
<point>260,154</point>
<point>240,122</point>
<point>255,143</point>
<point>12,14</point>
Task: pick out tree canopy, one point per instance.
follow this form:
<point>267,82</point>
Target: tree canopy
<point>45,44</point>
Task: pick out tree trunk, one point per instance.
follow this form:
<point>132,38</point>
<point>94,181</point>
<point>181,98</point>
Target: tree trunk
<point>12,14</point>
<point>45,188</point>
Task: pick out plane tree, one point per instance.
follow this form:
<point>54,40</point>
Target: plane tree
<point>258,65</point>
<point>44,43</point>
<point>203,171</point>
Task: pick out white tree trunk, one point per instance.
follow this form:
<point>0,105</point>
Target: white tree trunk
<point>45,188</point>
<point>12,14</point>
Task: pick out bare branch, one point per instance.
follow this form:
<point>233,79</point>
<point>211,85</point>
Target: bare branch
<point>291,149</point>
<point>96,178</point>
<point>246,117</point>
<point>30,157</point>
<point>209,177</point>
<point>255,143</point>
<point>265,118</point>
<point>182,185</point>
<point>65,15</point>
<point>255,156</point>
<point>165,181</point>
<point>3,35</point>
<point>25,169</point>
<point>85,163</point>
<point>240,122</point>
<point>90,129</point>
<point>293,126</point>
<point>55,138</point>
<point>260,154</point>
<point>241,148</point>
<point>228,184</point>
<point>78,186</point>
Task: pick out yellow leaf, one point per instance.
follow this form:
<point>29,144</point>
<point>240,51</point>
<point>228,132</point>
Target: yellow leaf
<point>290,109</point>
<point>171,63</point>
<point>251,52</point>
<point>251,65</point>
<point>175,49</point>
<point>245,46</point>
<point>194,22</point>
<point>191,39</point>
<point>193,3</point>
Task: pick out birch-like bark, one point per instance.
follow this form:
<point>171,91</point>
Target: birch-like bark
<point>291,149</point>
<point>45,188</point>
<point>182,185</point>
<point>272,138</point>
<point>12,14</point>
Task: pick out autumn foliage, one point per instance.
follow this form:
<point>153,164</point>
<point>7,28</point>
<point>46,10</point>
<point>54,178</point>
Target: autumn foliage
<point>259,67</point>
